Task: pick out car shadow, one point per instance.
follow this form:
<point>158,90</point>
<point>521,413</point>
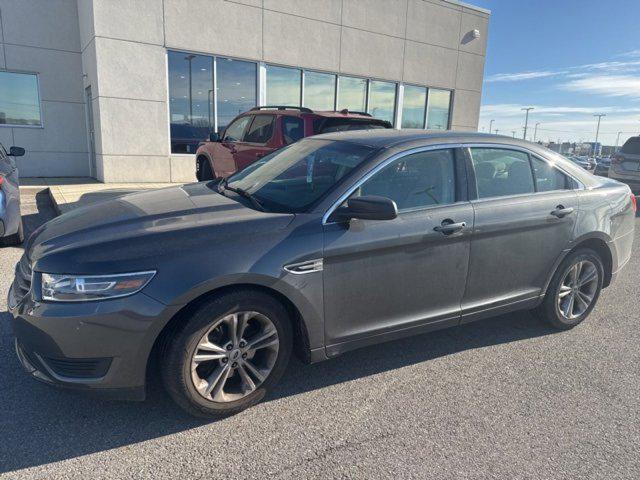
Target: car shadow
<point>41,424</point>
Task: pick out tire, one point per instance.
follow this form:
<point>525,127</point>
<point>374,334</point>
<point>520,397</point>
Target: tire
<point>553,308</point>
<point>186,341</point>
<point>17,238</point>
<point>205,172</point>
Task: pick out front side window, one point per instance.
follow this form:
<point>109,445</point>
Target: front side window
<point>548,177</point>
<point>293,129</point>
<point>236,130</point>
<point>297,176</point>
<point>283,86</point>
<point>382,100</point>
<point>19,99</point>
<point>418,180</point>
<point>439,106</point>
<point>352,94</point>
<point>261,129</point>
<point>501,172</point>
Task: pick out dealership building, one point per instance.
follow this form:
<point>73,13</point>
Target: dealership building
<point>123,90</point>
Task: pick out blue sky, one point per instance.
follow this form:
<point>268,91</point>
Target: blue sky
<point>569,59</point>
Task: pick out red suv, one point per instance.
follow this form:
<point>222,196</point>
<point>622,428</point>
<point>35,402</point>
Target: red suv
<point>261,130</point>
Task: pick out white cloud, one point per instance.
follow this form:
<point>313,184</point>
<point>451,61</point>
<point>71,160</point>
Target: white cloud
<point>606,85</point>
<point>517,77</point>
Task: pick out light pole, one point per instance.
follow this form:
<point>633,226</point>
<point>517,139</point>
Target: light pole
<point>496,130</point>
<point>526,120</point>
<point>491,125</point>
<point>513,133</point>
<point>535,132</point>
<point>189,58</point>
<point>617,142</point>
<point>595,145</point>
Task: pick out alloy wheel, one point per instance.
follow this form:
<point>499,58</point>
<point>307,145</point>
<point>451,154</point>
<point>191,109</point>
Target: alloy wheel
<point>577,289</point>
<point>234,356</point>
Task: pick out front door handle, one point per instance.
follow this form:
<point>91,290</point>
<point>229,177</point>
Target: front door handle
<point>448,226</point>
<point>561,211</point>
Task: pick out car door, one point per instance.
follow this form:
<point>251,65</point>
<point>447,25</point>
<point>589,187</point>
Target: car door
<point>524,218</point>
<point>254,143</point>
<point>226,150</point>
<point>395,277</point>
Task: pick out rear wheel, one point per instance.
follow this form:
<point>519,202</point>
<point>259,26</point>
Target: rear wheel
<point>574,290</point>
<point>226,357</point>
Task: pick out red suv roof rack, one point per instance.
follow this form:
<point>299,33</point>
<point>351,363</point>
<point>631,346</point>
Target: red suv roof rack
<point>347,111</point>
<point>282,107</point>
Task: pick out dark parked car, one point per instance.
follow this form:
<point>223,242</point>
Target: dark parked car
<point>262,130</point>
<point>11,228</point>
<point>332,243</point>
<point>602,166</point>
<point>625,164</point>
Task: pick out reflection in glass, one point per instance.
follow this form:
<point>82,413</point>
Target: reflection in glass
<point>283,86</point>
<point>319,90</point>
<point>438,109</point>
<point>413,106</point>
<point>236,84</point>
<point>190,100</point>
<point>19,99</point>
<point>382,100</point>
<point>352,94</point>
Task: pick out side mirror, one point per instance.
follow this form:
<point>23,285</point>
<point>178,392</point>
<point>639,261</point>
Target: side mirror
<point>368,207</point>
<point>16,151</point>
<point>214,137</point>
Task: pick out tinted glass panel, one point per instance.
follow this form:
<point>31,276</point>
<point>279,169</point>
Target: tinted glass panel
<point>19,99</point>
<point>382,99</point>
<point>343,124</point>
<point>283,86</point>
<point>236,129</point>
<point>293,128</point>
<point>632,146</point>
<point>190,100</point>
<point>438,109</point>
<point>295,177</point>
<point>501,172</point>
<point>261,129</point>
<point>549,178</point>
<point>413,106</point>
<point>419,180</point>
<point>352,94</point>
<point>236,84</point>
<point>319,90</point>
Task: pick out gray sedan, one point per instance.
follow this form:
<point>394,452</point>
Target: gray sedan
<point>333,243</point>
<point>11,229</point>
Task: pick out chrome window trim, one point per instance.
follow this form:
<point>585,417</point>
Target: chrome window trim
<point>380,166</point>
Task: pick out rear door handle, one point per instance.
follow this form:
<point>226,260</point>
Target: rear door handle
<point>447,227</point>
<point>561,211</point>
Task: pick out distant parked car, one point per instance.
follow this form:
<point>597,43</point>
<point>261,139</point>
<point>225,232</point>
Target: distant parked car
<point>11,229</point>
<point>602,166</point>
<point>625,165</point>
<point>260,131</point>
<point>582,162</point>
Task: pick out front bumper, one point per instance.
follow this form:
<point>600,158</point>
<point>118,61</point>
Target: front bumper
<point>101,347</point>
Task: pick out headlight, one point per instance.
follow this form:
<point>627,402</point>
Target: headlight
<point>84,288</point>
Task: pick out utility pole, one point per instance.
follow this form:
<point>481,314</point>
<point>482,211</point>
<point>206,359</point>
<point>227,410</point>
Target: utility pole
<point>526,121</point>
<point>491,125</point>
<point>595,145</point>
<point>535,132</point>
<point>617,142</point>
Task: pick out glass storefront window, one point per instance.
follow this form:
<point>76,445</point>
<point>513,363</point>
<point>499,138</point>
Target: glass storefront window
<point>236,88</point>
<point>283,86</point>
<point>382,100</point>
<point>413,106</point>
<point>19,99</point>
<point>319,90</point>
<point>190,100</point>
<point>352,94</point>
<point>438,109</point>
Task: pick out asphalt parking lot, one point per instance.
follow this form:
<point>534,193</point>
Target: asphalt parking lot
<point>504,398</point>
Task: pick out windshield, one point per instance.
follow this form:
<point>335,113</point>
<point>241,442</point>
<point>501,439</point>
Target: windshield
<point>295,177</point>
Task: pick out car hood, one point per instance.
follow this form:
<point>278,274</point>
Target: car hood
<point>142,227</point>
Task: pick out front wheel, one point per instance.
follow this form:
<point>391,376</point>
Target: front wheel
<point>573,291</point>
<point>226,357</point>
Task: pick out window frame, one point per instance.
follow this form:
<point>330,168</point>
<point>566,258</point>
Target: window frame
<point>39,93</point>
<point>471,175</point>
<point>255,116</point>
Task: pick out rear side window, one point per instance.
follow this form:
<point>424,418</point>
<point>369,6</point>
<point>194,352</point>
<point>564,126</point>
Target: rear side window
<point>234,132</point>
<point>293,129</point>
<point>501,172</point>
<point>632,146</point>
<point>416,181</point>
<point>548,177</point>
<point>261,129</point>
<point>343,124</point>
